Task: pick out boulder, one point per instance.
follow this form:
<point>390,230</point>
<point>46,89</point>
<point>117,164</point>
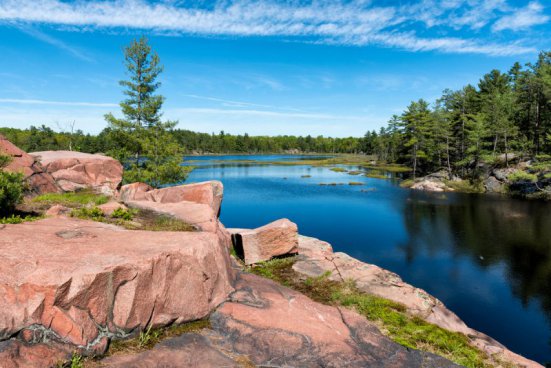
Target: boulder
<point>79,283</point>
<point>278,327</point>
<point>430,185</point>
<point>76,170</point>
<point>57,210</point>
<point>503,174</point>
<point>197,204</point>
<point>108,208</point>
<point>261,244</point>
<point>39,180</point>
<point>134,192</point>
<point>208,192</point>
<point>492,185</point>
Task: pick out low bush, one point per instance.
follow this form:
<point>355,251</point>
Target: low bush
<point>124,214</point>
<point>11,191</point>
<point>90,213</point>
<point>522,176</point>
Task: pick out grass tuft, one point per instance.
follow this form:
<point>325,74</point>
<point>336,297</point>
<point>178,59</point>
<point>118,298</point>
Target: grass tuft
<point>71,199</point>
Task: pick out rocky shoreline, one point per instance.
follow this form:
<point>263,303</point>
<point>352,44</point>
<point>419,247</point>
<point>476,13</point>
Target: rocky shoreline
<point>75,287</point>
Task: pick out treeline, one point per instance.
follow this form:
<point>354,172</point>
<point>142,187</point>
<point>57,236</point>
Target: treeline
<point>43,138</point>
<point>506,115</point>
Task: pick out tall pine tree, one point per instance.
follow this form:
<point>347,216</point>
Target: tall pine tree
<point>141,140</point>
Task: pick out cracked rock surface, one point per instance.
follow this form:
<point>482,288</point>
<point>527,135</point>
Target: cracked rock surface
<point>79,283</point>
<point>317,257</point>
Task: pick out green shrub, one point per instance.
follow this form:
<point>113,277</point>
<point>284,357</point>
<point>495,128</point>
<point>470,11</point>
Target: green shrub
<point>11,191</point>
<point>92,213</point>
<point>519,176</point>
<point>123,214</point>
<point>17,219</point>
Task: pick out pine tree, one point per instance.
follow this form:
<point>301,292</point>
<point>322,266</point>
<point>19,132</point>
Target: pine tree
<point>141,140</point>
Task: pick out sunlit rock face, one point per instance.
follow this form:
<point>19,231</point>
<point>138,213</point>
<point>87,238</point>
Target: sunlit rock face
<point>39,180</point>
<point>76,170</point>
<point>75,284</point>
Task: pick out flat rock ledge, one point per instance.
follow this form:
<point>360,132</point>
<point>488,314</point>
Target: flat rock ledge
<point>316,257</point>
<point>72,285</point>
<point>269,325</point>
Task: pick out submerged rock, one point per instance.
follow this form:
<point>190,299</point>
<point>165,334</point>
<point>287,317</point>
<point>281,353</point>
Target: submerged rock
<point>261,244</point>
<point>76,170</point>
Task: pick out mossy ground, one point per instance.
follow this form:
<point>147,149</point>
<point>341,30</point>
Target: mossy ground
<point>392,318</point>
<point>70,199</point>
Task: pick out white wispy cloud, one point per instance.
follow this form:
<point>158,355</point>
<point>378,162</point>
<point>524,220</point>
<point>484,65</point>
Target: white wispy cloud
<point>39,35</point>
<point>524,18</point>
<point>239,104</point>
<point>357,22</point>
<point>54,103</point>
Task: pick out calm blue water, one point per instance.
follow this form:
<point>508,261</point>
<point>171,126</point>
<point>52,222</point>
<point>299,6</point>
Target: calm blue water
<point>487,258</point>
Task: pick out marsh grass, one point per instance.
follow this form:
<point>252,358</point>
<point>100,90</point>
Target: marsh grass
<point>391,317</point>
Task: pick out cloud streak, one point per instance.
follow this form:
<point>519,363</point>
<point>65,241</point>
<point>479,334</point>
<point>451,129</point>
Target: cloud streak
<point>357,23</point>
<point>54,103</point>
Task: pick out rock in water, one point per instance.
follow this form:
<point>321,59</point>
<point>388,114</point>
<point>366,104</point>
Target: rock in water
<point>76,170</point>
<point>261,244</point>
<point>39,180</point>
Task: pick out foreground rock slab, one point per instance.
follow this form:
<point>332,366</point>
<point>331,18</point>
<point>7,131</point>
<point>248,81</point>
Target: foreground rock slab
<point>76,284</point>
<point>278,327</point>
<point>317,257</point>
<point>267,325</point>
<point>76,170</point>
<point>39,180</point>
<point>188,350</point>
<point>261,244</point>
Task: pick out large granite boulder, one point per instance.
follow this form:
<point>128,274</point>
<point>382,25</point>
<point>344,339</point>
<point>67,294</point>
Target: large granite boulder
<point>277,238</point>
<point>76,284</point>
<point>76,170</point>
<point>39,180</point>
<point>196,204</point>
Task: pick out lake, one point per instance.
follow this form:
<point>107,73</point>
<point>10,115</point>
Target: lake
<point>488,258</point>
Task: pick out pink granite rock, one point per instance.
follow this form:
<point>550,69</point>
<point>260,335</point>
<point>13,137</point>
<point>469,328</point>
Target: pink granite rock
<point>39,180</point>
<point>75,282</point>
<point>134,192</point>
<point>197,204</point>
<point>57,210</point>
<point>110,207</point>
<point>75,170</point>
<point>261,244</point>
<point>316,258</point>
<point>278,327</point>
<point>209,193</point>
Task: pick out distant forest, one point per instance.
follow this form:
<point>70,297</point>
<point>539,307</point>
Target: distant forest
<point>505,115</point>
<point>44,138</point>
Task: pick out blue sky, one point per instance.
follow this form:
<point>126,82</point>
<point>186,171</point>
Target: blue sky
<point>263,67</point>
